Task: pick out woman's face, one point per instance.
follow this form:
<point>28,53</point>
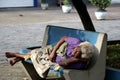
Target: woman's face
<point>77,52</point>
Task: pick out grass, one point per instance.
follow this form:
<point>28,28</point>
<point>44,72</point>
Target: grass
<point>113,56</point>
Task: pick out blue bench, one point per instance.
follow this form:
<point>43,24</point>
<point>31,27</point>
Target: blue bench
<point>96,71</point>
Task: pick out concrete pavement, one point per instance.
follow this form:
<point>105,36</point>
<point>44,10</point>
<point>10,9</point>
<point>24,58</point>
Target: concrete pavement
<point>21,28</point>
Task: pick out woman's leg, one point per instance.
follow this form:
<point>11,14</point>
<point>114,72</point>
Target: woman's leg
<point>16,59</point>
<point>12,54</point>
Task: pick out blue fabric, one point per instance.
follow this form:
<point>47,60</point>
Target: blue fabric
<point>58,73</point>
<point>24,51</point>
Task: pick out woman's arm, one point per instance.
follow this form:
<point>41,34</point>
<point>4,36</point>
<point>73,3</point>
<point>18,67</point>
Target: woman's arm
<point>53,53</point>
<point>67,62</point>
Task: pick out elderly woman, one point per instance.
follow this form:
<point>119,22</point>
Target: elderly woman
<point>77,55</point>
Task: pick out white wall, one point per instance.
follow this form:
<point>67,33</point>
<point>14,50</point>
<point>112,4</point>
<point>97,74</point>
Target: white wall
<point>115,1</point>
<point>16,3</point>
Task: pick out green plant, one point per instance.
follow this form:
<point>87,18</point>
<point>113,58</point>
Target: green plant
<point>66,2</point>
<point>113,56</point>
<point>43,1</point>
<point>101,4</point>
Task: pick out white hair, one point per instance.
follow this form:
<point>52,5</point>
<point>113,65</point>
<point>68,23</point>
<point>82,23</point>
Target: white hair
<point>86,49</point>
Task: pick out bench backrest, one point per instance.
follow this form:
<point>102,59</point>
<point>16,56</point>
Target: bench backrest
<point>54,33</point>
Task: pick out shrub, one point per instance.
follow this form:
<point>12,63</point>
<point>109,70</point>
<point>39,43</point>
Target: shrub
<point>113,56</point>
<point>101,4</point>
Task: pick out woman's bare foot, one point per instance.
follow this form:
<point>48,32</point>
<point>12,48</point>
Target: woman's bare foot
<point>17,59</point>
<point>10,54</point>
<point>12,62</point>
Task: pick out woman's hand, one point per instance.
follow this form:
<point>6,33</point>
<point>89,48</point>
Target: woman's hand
<point>63,63</point>
<point>52,58</point>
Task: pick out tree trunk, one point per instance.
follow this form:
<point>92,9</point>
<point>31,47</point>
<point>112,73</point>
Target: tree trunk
<point>84,15</point>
